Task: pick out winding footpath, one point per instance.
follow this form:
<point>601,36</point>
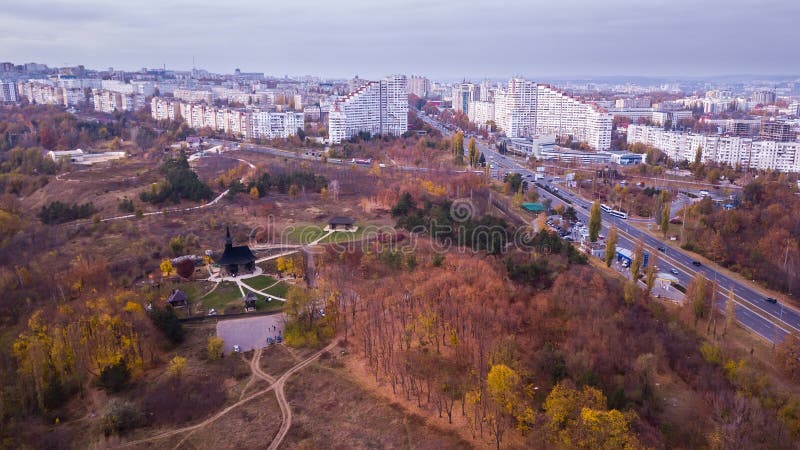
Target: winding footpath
<point>277,385</point>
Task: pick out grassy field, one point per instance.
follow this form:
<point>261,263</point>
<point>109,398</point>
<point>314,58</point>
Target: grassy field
<point>260,282</point>
<point>343,236</point>
<point>226,298</point>
<point>263,281</point>
<point>307,233</point>
<point>302,233</point>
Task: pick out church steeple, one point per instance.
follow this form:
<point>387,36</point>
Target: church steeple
<point>228,240</point>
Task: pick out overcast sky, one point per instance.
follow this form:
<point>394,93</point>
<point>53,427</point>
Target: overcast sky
<point>438,38</point>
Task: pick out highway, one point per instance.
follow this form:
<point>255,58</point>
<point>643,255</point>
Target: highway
<point>770,321</point>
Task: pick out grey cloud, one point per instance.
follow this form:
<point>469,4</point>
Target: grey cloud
<point>445,38</point>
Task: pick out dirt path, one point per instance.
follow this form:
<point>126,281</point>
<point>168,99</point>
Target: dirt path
<point>281,395</point>
<point>256,368</point>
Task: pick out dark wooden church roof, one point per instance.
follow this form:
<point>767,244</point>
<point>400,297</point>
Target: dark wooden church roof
<point>235,255</point>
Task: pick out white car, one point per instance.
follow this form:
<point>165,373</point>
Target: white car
<point>236,349</point>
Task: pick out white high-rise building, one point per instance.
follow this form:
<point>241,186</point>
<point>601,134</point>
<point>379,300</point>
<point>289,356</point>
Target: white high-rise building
<point>108,101</point>
<point>463,94</point>
<point>194,95</point>
<point>525,108</point>
<point>8,91</point>
<point>250,123</point>
<point>732,150</point>
<point>163,109</point>
<point>271,125</point>
<point>419,86</point>
<point>481,112</point>
<point>377,108</point>
<point>515,108</point>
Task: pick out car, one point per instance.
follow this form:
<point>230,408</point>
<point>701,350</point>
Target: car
<point>662,249</point>
<point>212,312</point>
<point>278,339</point>
<point>771,300</point>
<point>697,263</point>
<point>236,349</point>
<point>674,271</point>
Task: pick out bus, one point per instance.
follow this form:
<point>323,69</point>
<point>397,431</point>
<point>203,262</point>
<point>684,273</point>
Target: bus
<point>605,208</point>
<point>619,214</point>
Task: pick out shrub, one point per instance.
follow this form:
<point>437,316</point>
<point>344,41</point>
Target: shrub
<point>165,320</point>
<point>57,212</point>
<point>119,417</point>
<point>115,377</point>
<point>177,245</point>
<point>214,348</point>
<point>176,366</point>
<point>126,205</point>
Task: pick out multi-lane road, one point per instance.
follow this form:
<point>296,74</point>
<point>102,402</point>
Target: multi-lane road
<point>770,321</point>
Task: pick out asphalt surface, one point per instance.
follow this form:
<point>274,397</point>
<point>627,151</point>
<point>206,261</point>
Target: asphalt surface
<point>770,321</point>
<point>249,333</point>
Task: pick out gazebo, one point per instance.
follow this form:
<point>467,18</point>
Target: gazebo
<point>340,223</point>
<point>236,259</point>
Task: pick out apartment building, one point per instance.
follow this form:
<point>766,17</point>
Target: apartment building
<point>142,88</point>
<point>732,150</point>
<point>250,123</point>
<point>163,109</point>
<point>377,108</point>
<point>764,97</point>
<point>194,95</point>
<point>8,92</point>
<point>638,102</point>
<point>271,125</point>
<point>41,92</point>
<point>515,108</point>
<point>673,117</point>
<point>419,86</point>
<point>109,101</point>
<point>464,94</point>
<point>481,112</point>
<point>525,108</point>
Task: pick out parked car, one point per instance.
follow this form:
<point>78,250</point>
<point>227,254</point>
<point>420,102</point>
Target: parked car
<point>212,312</point>
<point>696,263</point>
<point>771,300</point>
<point>236,349</point>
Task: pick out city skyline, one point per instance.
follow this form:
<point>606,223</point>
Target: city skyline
<point>446,40</point>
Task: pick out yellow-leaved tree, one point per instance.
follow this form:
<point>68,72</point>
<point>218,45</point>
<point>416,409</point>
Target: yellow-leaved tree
<point>580,419</point>
<point>166,268</point>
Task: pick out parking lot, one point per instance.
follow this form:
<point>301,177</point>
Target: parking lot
<point>251,332</point>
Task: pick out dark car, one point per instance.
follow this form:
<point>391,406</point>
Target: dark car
<point>662,249</point>
<point>696,263</point>
<point>771,300</point>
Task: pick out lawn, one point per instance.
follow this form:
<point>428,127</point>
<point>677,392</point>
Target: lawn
<point>225,298</point>
<point>279,290</point>
<point>261,282</point>
<point>302,233</point>
<point>344,236</point>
